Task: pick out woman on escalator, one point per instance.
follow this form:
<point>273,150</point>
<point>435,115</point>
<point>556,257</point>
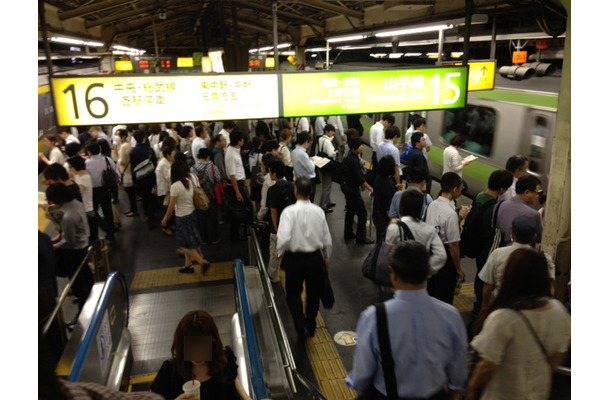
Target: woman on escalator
<point>198,355</point>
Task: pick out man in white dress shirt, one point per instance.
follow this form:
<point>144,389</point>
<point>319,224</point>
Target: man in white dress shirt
<point>377,135</point>
<point>227,128</point>
<point>304,240</point>
<point>202,139</point>
<point>442,215</point>
<point>237,191</point>
<point>326,147</point>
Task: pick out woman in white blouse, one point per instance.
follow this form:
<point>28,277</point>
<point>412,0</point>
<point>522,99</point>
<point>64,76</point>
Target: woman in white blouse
<point>187,225</point>
<point>55,154</point>
<point>525,334</point>
<point>410,211</point>
<point>452,162</point>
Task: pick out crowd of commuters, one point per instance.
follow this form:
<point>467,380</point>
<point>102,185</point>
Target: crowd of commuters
<point>514,282</point>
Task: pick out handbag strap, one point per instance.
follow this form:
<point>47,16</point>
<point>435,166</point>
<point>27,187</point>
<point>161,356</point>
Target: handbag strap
<point>405,228</point>
<point>387,361</point>
<point>531,329</point>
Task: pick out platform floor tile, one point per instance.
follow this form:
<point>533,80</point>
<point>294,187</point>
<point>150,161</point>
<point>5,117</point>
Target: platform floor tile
<point>157,278</point>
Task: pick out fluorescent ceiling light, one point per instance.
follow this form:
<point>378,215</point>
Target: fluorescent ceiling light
<point>345,38</point>
<point>378,55</point>
<point>76,41</point>
<point>412,54</point>
<point>316,49</point>
<point>283,45</point>
<point>355,47</point>
<point>457,54</point>
<point>314,55</point>
<point>266,48</point>
<point>410,31</point>
<point>395,55</point>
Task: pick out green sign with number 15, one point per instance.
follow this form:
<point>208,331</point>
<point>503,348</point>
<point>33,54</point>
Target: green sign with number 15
<point>352,92</point>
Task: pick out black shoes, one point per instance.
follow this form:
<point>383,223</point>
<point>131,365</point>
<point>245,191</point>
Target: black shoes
<point>206,267</point>
<point>187,270</point>
<point>365,241</point>
<point>330,205</point>
<point>327,210</point>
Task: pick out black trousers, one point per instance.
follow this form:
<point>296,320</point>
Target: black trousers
<point>238,212</point>
<point>208,223</point>
<point>354,205</point>
<point>312,196</point>
<point>308,268</point>
<point>70,260</point>
<point>144,189</point>
<point>131,194</point>
<point>442,285</point>
<point>480,260</point>
<point>103,198</point>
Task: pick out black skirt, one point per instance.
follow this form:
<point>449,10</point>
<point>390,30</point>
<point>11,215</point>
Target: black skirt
<point>187,231</point>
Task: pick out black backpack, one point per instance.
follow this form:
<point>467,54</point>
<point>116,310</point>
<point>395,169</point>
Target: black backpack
<point>109,178</point>
<point>287,196</point>
<point>475,235</point>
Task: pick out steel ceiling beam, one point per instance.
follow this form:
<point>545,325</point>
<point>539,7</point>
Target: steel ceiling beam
<point>283,14</point>
<point>80,11</point>
<point>328,7</point>
<point>119,17</point>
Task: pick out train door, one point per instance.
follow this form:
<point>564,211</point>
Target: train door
<point>538,143</point>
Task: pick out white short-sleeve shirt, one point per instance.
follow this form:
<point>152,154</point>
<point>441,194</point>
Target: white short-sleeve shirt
<point>505,340</point>
<point>184,203</point>
<point>442,216</point>
<point>234,164</point>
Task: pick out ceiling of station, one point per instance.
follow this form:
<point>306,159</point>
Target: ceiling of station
<point>182,26</point>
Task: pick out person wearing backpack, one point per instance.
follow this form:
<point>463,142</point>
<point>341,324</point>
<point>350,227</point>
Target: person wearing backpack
<point>477,233</point>
<point>410,212</point>
<point>144,162</point>
<point>279,196</point>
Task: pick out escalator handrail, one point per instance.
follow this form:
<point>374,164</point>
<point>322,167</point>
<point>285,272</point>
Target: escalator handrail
<point>268,291</point>
<point>83,348</point>
<point>255,366</point>
<point>285,345</point>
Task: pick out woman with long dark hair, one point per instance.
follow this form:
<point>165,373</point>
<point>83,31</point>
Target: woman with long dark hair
<point>187,229</point>
<point>198,354</point>
<point>525,334</point>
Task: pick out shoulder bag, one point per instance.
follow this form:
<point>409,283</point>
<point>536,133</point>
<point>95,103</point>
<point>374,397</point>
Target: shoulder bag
<point>109,178</point>
<point>376,266</point>
<point>219,189</point>
<point>144,168</point>
<point>497,238</point>
<point>200,199</point>
<point>387,360</point>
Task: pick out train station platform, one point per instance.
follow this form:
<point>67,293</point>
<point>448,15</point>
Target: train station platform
<point>149,262</point>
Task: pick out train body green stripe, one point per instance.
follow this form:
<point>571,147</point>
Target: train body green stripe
<point>518,97</point>
<point>476,170</point>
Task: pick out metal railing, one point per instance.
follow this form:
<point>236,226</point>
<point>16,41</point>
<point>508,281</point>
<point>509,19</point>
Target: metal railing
<point>252,353</point>
<point>284,345</point>
<point>91,256</point>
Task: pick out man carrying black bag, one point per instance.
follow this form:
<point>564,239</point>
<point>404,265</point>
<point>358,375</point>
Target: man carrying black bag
<point>240,207</point>
<point>304,239</point>
<point>388,366</point>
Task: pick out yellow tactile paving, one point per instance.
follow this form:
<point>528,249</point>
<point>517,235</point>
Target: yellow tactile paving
<point>327,365</point>
<point>140,379</point>
<point>43,222</point>
<point>170,276</point>
<point>467,289</point>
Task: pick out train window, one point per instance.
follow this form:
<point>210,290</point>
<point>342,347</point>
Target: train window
<point>477,123</point>
<point>537,149</point>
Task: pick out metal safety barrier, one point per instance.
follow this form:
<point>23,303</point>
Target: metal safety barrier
<point>91,257</point>
<point>298,384</point>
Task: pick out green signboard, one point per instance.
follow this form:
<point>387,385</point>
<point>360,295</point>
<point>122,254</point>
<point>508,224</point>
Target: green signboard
<point>352,92</point>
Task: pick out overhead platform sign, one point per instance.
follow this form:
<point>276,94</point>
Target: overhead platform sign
<point>109,100</point>
<point>481,75</point>
<point>336,93</point>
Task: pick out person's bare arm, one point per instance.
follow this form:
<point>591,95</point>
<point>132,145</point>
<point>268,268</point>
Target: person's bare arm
<point>483,372</point>
<point>236,189</point>
<point>487,290</point>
